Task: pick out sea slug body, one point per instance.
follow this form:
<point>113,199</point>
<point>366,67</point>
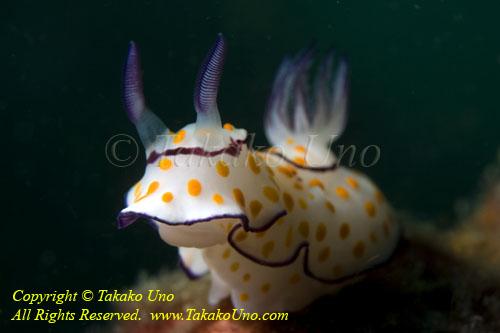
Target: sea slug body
<point>275,229</point>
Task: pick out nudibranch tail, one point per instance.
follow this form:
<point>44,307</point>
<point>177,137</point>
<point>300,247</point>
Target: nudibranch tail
<point>148,124</point>
<point>207,85</point>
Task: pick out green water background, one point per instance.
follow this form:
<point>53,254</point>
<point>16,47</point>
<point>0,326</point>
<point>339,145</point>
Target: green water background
<point>425,77</point>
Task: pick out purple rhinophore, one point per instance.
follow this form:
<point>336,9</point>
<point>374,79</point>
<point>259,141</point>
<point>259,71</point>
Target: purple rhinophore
<point>133,98</point>
<point>207,83</point>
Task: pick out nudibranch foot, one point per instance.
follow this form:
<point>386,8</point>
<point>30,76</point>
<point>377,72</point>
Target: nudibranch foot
<point>275,229</point>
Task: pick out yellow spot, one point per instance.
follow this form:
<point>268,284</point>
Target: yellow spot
<point>246,277</point>
<point>330,206</point>
<point>321,232</point>
<point>300,148</point>
<point>273,150</point>
<point>288,200</point>
<point>359,249</point>
<point>265,288</point>
<point>170,132</point>
<point>243,297</point>
<point>267,249</point>
<point>228,126</point>
<point>379,196</point>
<point>253,164</point>
<point>386,229</point>
<point>222,169</point>
<point>280,220</point>
<point>287,170</point>
<point>299,161</point>
<point>137,188</point>
<point>311,196</point>
<point>323,254</point>
<point>260,234</point>
<point>370,208</point>
<point>226,253</point>
<point>342,192</point>
<point>151,189</point>
<point>238,197</point>
<point>390,217</point>
<point>255,208</point>
<point>218,199</point>
<point>234,266</point>
<point>241,236</point>
<point>294,279</point>
<point>290,141</point>
<point>229,226</point>
<point>316,182</point>
<point>179,136</point>
<point>289,235</point>
<point>302,203</point>
<point>270,170</point>
<point>337,271</point>
<point>352,183</point>
<point>167,197</point>
<point>298,186</point>
<point>344,231</point>
<point>304,229</point>
<point>165,164</point>
<point>373,237</point>
<point>271,194</point>
<point>194,187</point>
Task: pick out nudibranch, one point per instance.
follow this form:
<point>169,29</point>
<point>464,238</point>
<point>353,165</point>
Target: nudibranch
<point>276,228</point>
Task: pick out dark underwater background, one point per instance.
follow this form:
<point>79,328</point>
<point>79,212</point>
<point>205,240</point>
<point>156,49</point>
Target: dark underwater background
<point>425,80</point>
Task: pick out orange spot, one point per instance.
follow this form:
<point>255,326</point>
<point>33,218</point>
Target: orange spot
<point>222,168</point>
<point>323,254</point>
<point>253,164</point>
<point>194,187</point>
<point>271,194</point>
<point>316,182</point>
<point>304,229</point>
<point>165,164</point>
<point>289,235</point>
<point>265,288</point>
<point>300,148</point>
<point>235,266</point>
<point>241,236</point>
<point>359,249</point>
<point>302,203</point>
<point>243,297</point>
<point>280,220</point>
<point>167,197</point>
<point>137,188</point>
<point>270,170</point>
<point>287,170</point>
<point>238,197</point>
<point>337,270</point>
<point>228,126</point>
<point>342,192</point>
<point>299,161</point>
<point>344,231</point>
<point>379,196</point>
<point>226,253</point>
<point>290,141</point>
<point>151,189</point>
<point>352,183</point>
<point>218,199</point>
<point>255,208</point>
<point>298,186</point>
<point>288,200</point>
<point>246,277</point>
<point>320,232</point>
<point>294,279</point>
<point>330,206</point>
<point>179,136</point>
<point>370,208</point>
<point>267,249</point>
